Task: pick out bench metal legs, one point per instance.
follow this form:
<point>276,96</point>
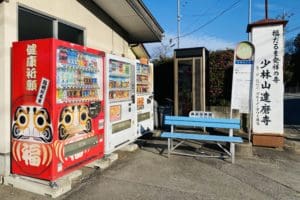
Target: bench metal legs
<point>232,147</point>
<point>171,150</point>
<point>169,147</point>
<point>170,142</point>
<point>232,151</point>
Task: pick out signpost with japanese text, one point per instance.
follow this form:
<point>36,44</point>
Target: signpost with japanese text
<point>242,79</point>
<point>268,87</point>
<point>268,81</point>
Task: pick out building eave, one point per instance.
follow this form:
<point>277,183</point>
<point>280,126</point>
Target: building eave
<point>129,18</point>
<point>140,51</point>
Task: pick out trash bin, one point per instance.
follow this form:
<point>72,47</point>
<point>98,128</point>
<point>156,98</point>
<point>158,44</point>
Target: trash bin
<point>163,110</point>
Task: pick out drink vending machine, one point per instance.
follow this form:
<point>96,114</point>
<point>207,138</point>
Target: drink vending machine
<point>144,90</point>
<point>57,107</point>
<point>120,110</point>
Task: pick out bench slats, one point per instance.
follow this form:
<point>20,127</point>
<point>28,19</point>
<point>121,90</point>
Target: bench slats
<point>215,138</point>
<point>202,122</point>
<point>186,118</point>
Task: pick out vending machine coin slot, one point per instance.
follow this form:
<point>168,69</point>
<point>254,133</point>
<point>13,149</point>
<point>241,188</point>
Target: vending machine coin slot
<point>94,109</point>
<point>133,98</point>
<point>129,107</point>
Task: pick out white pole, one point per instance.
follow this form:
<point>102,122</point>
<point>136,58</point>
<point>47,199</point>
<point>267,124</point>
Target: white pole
<point>250,12</point>
<point>178,23</point>
<point>250,105</point>
<point>249,18</point>
<point>250,115</point>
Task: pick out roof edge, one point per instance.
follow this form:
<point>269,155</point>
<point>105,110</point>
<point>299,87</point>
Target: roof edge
<point>141,10</point>
<point>150,15</point>
<point>265,22</point>
<point>104,17</point>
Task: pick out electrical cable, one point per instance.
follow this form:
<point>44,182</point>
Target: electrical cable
<point>205,13</point>
<point>212,20</point>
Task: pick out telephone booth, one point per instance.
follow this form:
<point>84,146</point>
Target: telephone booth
<point>190,69</point>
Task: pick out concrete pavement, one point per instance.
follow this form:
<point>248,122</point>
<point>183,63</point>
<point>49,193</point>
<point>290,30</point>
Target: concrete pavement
<point>148,174</point>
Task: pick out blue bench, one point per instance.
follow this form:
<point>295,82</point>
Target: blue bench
<point>188,122</point>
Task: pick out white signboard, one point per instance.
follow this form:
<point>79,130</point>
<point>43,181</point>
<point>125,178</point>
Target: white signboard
<point>241,85</point>
<point>242,76</point>
<point>268,80</point>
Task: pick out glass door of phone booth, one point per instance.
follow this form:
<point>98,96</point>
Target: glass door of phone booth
<point>189,77</point>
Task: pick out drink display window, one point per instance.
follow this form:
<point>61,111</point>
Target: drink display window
<point>77,76</point>
<point>119,81</point>
<point>143,78</point>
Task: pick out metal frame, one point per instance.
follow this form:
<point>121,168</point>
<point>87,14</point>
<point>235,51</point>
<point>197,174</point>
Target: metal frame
<point>202,60</point>
<point>172,147</point>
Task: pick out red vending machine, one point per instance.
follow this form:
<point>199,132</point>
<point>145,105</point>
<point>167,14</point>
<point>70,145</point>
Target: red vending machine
<point>57,107</point>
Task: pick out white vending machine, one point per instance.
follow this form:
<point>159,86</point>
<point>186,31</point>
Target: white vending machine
<point>145,99</point>
<point>120,105</point>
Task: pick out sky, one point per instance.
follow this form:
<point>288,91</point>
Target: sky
<point>215,24</point>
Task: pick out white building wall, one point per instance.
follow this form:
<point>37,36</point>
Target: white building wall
<point>8,30</point>
<point>98,36</point>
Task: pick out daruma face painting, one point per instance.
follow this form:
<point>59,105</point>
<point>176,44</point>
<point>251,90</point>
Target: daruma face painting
<point>32,135</point>
<point>32,123</point>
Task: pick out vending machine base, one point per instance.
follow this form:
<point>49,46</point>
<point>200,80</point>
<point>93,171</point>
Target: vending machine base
<point>105,162</point>
<point>130,147</point>
<point>42,187</point>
